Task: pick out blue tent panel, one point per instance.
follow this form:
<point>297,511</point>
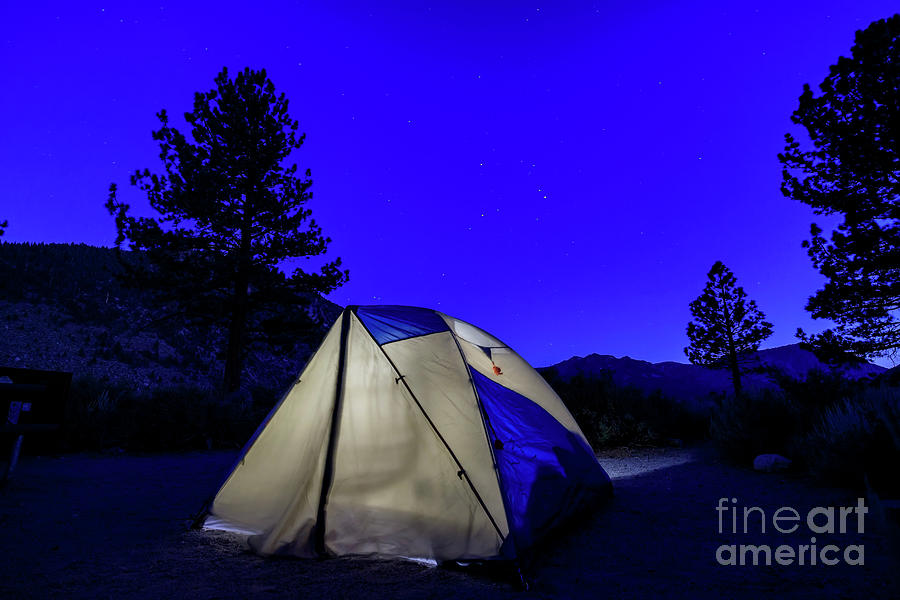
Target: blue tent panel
<point>392,323</point>
<point>547,473</point>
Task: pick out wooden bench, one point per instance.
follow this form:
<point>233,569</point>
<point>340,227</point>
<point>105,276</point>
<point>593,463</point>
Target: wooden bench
<point>31,401</point>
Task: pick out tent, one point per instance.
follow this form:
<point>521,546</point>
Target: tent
<point>410,433</point>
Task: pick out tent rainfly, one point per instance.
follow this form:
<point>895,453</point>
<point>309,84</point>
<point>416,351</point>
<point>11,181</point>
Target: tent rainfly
<point>413,434</point>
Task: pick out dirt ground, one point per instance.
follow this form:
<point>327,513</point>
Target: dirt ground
<point>92,526</point>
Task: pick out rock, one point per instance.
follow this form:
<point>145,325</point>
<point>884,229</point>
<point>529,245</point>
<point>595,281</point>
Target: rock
<point>770,463</point>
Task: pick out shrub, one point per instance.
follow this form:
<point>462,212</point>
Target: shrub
<point>855,438</point>
<point>611,416</point>
<point>836,448</point>
<point>817,392</point>
<point>752,424</point>
<point>106,415</point>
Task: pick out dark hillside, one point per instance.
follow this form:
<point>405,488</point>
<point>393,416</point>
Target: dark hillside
<point>62,308</point>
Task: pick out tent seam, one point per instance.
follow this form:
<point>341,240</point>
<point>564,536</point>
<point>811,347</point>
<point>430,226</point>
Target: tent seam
<point>328,473</point>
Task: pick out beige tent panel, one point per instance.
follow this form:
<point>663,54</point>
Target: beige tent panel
<point>435,372</point>
<point>274,490</point>
<point>395,489</point>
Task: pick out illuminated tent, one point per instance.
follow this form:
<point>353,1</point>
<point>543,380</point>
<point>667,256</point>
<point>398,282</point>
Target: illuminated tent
<point>410,433</point>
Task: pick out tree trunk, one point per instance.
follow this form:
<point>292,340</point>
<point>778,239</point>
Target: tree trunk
<point>235,350</point>
<point>735,371</point>
<point>236,328</point>
<point>732,350</point>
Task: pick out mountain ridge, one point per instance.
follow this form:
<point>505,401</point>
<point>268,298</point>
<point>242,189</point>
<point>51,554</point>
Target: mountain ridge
<point>692,383</point>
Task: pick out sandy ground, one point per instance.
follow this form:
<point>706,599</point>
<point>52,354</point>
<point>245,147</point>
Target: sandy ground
<point>88,526</point>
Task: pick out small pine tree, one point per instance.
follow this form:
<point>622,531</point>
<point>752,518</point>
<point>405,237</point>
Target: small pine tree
<point>3,226</point>
<point>725,326</point>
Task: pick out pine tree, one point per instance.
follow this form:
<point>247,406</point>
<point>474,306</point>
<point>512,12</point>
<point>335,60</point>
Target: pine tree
<point>853,170</point>
<point>725,325</point>
<point>229,214</point>
<point>3,226</point>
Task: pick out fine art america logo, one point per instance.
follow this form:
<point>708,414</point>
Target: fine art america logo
<point>820,520</point>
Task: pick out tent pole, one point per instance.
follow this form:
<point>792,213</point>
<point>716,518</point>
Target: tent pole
<point>462,471</point>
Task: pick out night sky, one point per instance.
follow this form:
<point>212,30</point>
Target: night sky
<point>562,175</point>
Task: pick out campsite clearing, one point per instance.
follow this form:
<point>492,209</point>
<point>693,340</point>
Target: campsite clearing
<point>102,526</point>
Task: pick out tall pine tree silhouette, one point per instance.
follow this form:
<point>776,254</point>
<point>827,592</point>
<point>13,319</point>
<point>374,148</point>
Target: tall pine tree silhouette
<point>853,170</point>
<point>725,326</point>
<point>230,213</point>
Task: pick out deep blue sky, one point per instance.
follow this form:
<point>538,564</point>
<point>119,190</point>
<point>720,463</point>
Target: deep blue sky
<point>563,175</point>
